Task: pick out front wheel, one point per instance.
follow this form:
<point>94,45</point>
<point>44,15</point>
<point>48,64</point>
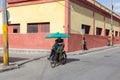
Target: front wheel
<point>53,64</point>
<point>53,61</point>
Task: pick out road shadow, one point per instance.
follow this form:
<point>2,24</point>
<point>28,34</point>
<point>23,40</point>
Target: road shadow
<point>72,60</point>
<point>13,59</point>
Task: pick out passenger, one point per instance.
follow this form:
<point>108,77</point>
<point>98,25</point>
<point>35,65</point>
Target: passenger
<point>57,47</point>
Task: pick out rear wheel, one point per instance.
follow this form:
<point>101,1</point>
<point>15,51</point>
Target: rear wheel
<point>64,58</point>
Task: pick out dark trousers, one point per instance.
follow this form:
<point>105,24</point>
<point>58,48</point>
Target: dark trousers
<point>84,47</point>
<point>52,52</point>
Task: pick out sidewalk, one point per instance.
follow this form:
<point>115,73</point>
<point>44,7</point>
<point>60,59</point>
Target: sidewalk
<point>80,52</point>
<point>33,57</point>
<point>18,64</point>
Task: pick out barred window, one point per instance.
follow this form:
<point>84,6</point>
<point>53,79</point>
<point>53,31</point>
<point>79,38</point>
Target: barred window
<point>38,27</point>
<point>32,27</point>
<point>45,27</point>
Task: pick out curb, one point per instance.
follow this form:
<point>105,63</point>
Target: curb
<point>81,52</point>
<point>18,65</point>
<point>8,68</point>
<point>30,60</point>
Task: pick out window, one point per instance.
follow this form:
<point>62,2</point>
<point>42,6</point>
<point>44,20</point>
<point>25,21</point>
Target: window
<point>116,33</point>
<point>98,31</point>
<point>86,28</point>
<point>32,27</point>
<point>14,28</point>
<point>113,32</point>
<point>38,27</point>
<point>45,27</point>
<point>107,32</point>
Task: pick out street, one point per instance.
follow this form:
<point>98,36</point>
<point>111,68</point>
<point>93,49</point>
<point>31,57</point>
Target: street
<point>98,65</point>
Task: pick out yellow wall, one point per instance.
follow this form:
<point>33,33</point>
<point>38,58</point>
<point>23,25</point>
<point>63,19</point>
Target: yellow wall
<point>107,23</point>
<point>79,16</point>
<point>99,22</point>
<point>116,27</point>
<point>54,13</point>
<point>48,12</point>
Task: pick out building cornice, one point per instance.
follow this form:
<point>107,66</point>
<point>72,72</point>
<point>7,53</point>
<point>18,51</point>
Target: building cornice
<point>97,7</point>
<point>90,4</point>
<point>15,3</point>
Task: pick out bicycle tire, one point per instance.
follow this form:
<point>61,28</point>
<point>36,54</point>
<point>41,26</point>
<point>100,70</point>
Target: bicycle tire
<point>53,64</point>
<point>64,58</point>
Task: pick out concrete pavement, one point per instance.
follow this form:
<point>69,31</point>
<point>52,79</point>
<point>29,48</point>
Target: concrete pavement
<point>33,57</point>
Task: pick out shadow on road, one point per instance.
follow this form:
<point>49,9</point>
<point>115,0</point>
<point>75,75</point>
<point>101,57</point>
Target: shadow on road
<point>13,59</point>
<point>72,60</point>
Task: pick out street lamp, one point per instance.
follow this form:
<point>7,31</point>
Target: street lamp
<point>5,33</point>
<point>111,22</point>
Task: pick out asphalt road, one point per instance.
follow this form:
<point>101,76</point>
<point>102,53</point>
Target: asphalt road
<point>99,65</point>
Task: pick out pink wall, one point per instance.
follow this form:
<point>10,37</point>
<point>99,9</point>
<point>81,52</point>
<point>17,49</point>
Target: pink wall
<point>37,41</point>
<point>92,41</point>
<point>74,42</point>
<point>116,40</point>
<point>96,41</point>
<point>30,41</point>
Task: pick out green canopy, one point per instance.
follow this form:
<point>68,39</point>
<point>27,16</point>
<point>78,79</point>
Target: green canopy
<point>57,35</point>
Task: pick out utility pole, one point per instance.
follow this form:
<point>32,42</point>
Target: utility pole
<point>5,33</point>
<point>111,31</point>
